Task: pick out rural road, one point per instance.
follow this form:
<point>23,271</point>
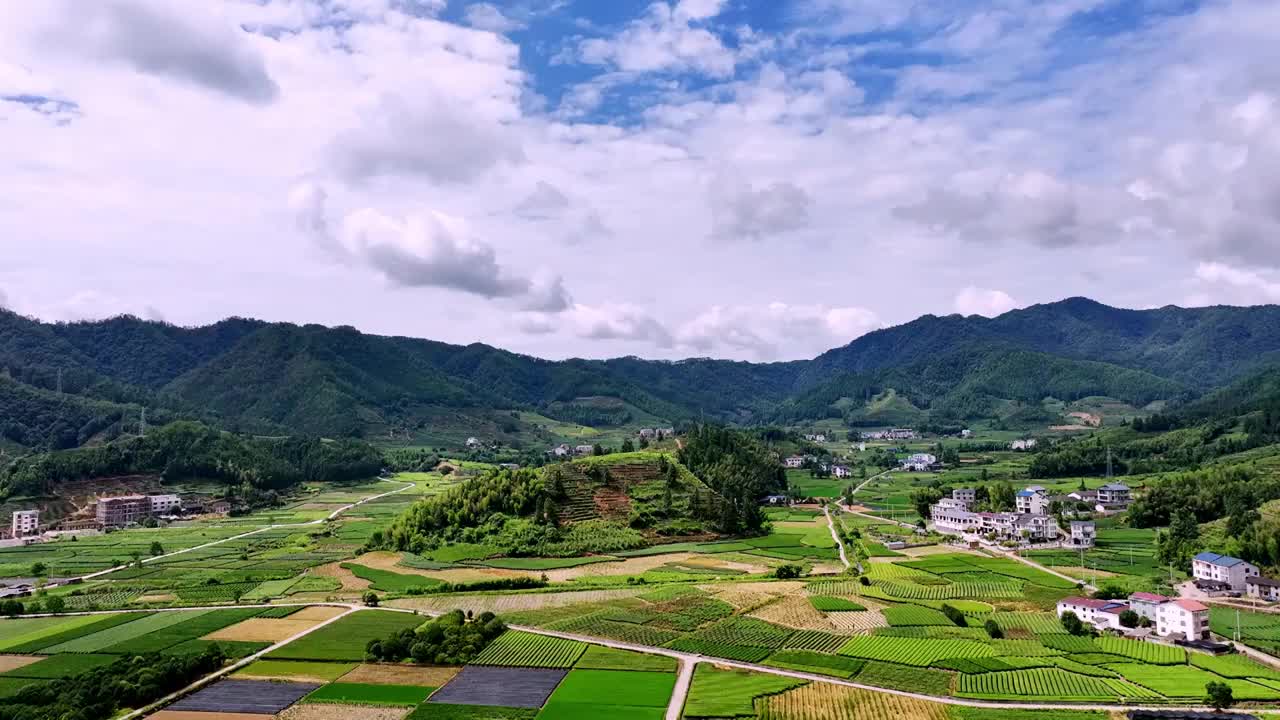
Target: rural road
<point>679,694</point>
<point>154,558</point>
<point>1051,571</point>
<point>836,536</point>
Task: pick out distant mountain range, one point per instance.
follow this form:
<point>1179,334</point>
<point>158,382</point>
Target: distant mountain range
<point>70,383</point>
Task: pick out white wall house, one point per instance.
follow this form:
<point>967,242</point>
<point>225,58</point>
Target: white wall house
<point>919,462</point>
<point>1082,534</point>
<point>25,522</point>
<point>1183,617</point>
<point>952,517</point>
<point>1114,495</point>
<point>584,449</point>
<point>1022,444</point>
<point>1262,588</point>
<point>1147,604</point>
<point>1035,528</point>
<point>1032,500</point>
<point>794,461</point>
<point>1213,567</point>
<point>165,504</point>
<point>473,442</point>
<point>560,450</point>
<point>841,471</point>
<point>1103,614</point>
<point>965,495</point>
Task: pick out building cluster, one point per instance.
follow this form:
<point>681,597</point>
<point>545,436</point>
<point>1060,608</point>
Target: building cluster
<point>798,461</point>
<point>122,510</point>
<point>921,462</point>
<point>656,433</point>
<point>1222,574</point>
<point>1172,618</point>
<point>891,434</point>
<point>564,450</point>
<point>1030,522</point>
<point>816,437</point>
<point>1027,444</point>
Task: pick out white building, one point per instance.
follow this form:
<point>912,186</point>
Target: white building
<point>794,461</point>
<point>1262,588</point>
<point>1083,534</point>
<point>646,432</point>
<point>900,434</point>
<point>919,462</point>
<point>1027,444</point>
<point>584,449</point>
<point>952,517</point>
<point>165,504</point>
<point>816,437</point>
<point>841,471</point>
<point>1114,495</point>
<point>1147,604</point>
<point>473,442</point>
<point>1103,614</point>
<point>561,450</point>
<point>1035,528</point>
<point>1230,572</point>
<point>1033,500</point>
<point>25,522</point>
<point>965,495</point>
<point>1184,617</point>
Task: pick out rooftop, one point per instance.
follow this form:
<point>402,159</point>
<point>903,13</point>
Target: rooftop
<point>1091,603</point>
<point>1192,605</point>
<point>1264,582</point>
<point>1114,487</point>
<point>1148,597</point>
<point>1219,560</point>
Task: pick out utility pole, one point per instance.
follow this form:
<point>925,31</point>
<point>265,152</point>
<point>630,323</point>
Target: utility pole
<point>1236,635</point>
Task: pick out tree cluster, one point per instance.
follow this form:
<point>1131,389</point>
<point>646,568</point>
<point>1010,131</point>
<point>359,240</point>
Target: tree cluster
<point>451,639</point>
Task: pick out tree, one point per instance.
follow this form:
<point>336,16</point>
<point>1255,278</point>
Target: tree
<point>627,446</point>
<point>955,615</point>
<point>1072,624</point>
<point>787,572</point>
<point>157,548</point>
<point>1130,619</point>
<point>55,604</point>
<point>1176,545</point>
<point>445,469</point>
<point>10,608</point>
<point>1219,695</point>
<point>1003,497</point>
<point>597,450</point>
<point>39,569</point>
<point>993,630</point>
<point>370,598</point>
<point>644,443</point>
<point>924,498</point>
<point>1111,592</point>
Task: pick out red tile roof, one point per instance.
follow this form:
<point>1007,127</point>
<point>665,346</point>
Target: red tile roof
<point>1192,605</point>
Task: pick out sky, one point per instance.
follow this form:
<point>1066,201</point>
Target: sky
<point>750,179</point>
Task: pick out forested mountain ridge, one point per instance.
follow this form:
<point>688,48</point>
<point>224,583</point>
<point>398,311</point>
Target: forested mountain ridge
<point>274,378</point>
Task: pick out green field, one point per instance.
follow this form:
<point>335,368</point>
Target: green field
<point>598,657</point>
<point>295,668</point>
<point>731,693</point>
<point>33,634</point>
<point>60,666</point>
<point>610,693</point>
<point>103,639</point>
<point>346,638</point>
<point>367,694</point>
<point>520,649</point>
<point>387,581</point>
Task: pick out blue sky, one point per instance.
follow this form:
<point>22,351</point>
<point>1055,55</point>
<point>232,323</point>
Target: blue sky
<point>733,178</point>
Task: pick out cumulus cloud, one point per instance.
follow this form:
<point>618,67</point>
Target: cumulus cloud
<point>161,39</point>
<point>667,38</point>
<point>425,134</point>
<point>546,201</point>
<point>426,249</point>
<point>981,301</point>
<point>1234,284</point>
<point>740,212</point>
<point>608,322</point>
<point>486,16</point>
<point>776,330</point>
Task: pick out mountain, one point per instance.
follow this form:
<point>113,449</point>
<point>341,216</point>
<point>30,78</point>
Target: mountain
<point>71,383</point>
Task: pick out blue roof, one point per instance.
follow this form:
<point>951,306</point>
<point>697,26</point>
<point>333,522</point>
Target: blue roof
<point>1025,493</point>
<point>1220,560</point>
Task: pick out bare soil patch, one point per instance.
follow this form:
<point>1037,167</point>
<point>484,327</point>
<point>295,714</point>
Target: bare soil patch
<point>157,598</point>
<point>629,566</point>
<point>793,611</point>
<point>274,629</point>
<point>400,675</point>
<point>193,715</point>
<point>390,561</point>
<point>327,711</point>
<point>13,662</point>
<point>350,583</point>
<point>318,613</point>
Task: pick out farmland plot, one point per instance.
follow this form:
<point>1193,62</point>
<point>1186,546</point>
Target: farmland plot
<point>128,631</point>
<point>821,701</point>
<point>245,696</point>
<point>503,686</point>
<point>1047,684</point>
<point>1147,652</point>
<point>31,634</point>
<point>325,711</point>
<point>367,694</point>
<point>911,651</point>
<point>346,638</point>
<point>520,649</point>
<point>731,693</point>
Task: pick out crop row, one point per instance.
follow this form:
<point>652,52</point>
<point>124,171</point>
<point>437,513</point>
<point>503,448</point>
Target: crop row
<point>1047,683</point>
<point>912,651</point>
<point>519,649</point>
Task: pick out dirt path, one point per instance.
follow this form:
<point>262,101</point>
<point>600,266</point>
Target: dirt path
<point>836,536</point>
<point>1038,566</point>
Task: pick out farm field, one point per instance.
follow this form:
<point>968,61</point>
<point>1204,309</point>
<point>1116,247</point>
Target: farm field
<point>370,694</point>
<point>731,693</point>
<point>610,693</point>
<point>345,639</point>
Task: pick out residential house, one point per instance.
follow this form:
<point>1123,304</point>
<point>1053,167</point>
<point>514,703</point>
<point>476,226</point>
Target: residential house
<point>900,434</point>
<point>1183,617</point>
<point>1216,571</point>
<point>1089,497</point>
<point>816,437</point>
<point>1032,500</point>
<point>584,449</point>
<point>123,510</point>
<point>165,504</point>
<point>952,517</point>
<point>777,500</point>
<point>473,443</point>
<point>1083,534</point>
<point>1001,524</point>
<point>920,462</point>
<point>646,432</point>
<point>1262,588</point>
<point>1102,614</point>
<point>1147,604</point>
<point>1113,497</point>
<point>965,495</point>
<point>966,433</point>
<point>1027,444</point>
<point>25,522</point>
<point>1035,528</point>
<point>841,471</point>
<point>795,461</point>
<point>561,450</point>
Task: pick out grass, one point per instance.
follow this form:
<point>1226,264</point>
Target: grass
<point>387,581</point>
<point>115,635</point>
<point>520,649</point>
<point>364,694</point>
<point>346,638</point>
<point>598,657</point>
<point>60,666</point>
<point>298,669</point>
<point>731,693</point>
<point>615,687</point>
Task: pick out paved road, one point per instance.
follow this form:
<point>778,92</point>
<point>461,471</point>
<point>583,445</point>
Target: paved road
<point>155,558</point>
<point>675,708</point>
<point>687,660</point>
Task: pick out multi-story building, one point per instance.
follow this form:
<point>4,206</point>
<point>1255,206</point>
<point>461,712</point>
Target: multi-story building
<point>1098,613</point>
<point>25,522</point>
<point>584,449</point>
<point>952,517</point>
<point>1033,500</point>
<point>1114,496</point>
<point>1184,617</point>
<point>1023,444</point>
<point>965,495</point>
<point>920,462</point>
<point>1035,528</point>
<point>1228,572</point>
<point>165,504</point>
<point>1262,588</point>
<point>794,461</point>
<point>123,510</point>
<point>1083,534</point>
<point>1146,604</point>
<point>841,471</point>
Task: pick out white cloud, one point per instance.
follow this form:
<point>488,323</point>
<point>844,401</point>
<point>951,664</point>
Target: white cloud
<point>665,39</point>
<point>981,301</point>
<point>1237,284</point>
<point>776,330</point>
<point>742,212</point>
<point>485,16</point>
<point>4,301</point>
<point>545,201</point>
<point>192,45</point>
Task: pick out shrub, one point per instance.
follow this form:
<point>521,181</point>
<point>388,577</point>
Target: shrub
<point>1219,695</point>
<point>864,580</point>
<point>1071,623</point>
<point>1130,619</point>
<point>955,615</point>
<point>993,629</point>
<point>370,598</point>
<point>447,640</point>
<point>787,572</point>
